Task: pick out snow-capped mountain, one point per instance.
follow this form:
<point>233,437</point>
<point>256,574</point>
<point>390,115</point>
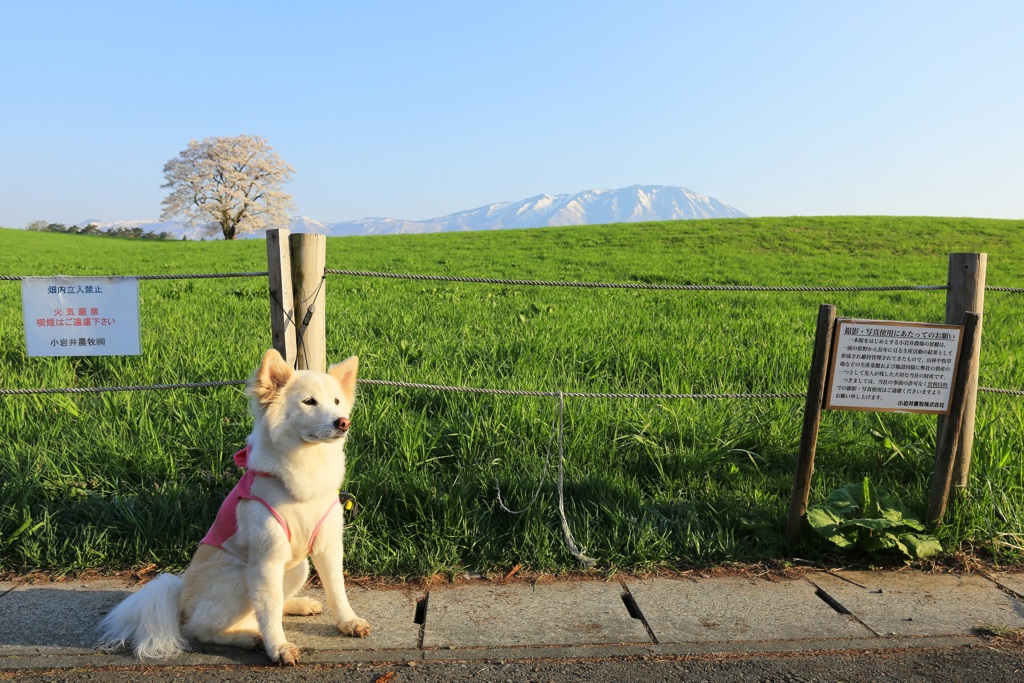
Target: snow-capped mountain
<point>628,205</point>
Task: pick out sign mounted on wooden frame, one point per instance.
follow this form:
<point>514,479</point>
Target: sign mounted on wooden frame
<point>888,366</point>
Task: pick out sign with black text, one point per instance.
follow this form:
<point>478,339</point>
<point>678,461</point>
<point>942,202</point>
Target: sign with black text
<point>81,316</point>
<point>888,366</point>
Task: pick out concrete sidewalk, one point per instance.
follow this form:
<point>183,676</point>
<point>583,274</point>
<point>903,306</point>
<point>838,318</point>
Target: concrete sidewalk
<point>53,625</point>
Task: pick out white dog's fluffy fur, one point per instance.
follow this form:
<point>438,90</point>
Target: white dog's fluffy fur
<point>301,421</point>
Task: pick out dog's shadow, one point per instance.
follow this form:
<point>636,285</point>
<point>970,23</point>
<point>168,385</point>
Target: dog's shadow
<point>44,619</point>
<point>64,620</point>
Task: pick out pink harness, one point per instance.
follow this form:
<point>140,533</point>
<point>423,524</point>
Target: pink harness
<point>226,524</point>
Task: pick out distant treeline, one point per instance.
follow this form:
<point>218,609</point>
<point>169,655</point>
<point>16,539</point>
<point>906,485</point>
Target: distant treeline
<point>90,229</point>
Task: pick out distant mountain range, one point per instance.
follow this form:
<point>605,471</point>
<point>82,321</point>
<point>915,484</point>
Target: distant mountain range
<point>633,204</point>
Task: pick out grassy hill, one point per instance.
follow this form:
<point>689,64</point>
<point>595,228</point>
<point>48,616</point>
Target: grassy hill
<point>128,479</point>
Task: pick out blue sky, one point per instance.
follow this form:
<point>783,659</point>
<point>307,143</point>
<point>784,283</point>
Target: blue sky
<point>418,109</point>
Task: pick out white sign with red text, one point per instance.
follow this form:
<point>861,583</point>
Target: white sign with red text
<point>81,316</point>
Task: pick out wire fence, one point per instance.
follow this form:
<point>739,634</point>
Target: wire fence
<point>571,543</point>
<point>512,282</point>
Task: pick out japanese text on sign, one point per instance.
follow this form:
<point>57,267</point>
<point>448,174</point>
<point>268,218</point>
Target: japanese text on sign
<point>81,316</point>
<point>893,366</point>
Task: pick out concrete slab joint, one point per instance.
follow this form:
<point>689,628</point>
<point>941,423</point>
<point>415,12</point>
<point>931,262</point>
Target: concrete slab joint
<point>524,615</point>
<point>420,618</point>
<point>910,604</point>
<point>633,609</point>
<point>1013,584</point>
<point>734,609</point>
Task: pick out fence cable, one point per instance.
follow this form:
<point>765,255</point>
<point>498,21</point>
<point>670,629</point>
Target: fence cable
<point>540,481</point>
<point>300,330</point>
<point>573,394</point>
<point>567,535</point>
<point>574,549</point>
<point>544,283</point>
<point>137,387</point>
<point>631,285</point>
<point>180,276</point>
<point>442,387</point>
<point>558,431</point>
<point>1009,392</point>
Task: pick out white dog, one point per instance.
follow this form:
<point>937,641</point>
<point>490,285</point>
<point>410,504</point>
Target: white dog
<point>248,568</point>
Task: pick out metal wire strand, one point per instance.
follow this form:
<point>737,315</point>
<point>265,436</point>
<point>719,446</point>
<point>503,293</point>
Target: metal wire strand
<point>137,387</point>
<point>630,285</point>
<point>550,283</point>
<point>441,387</point>
<point>1008,392</point>
<point>570,541</point>
<point>180,276</point>
<point>566,394</point>
<point>540,481</point>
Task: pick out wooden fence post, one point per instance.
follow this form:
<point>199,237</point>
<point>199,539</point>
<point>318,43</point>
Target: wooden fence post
<point>953,427</point>
<point>279,276</point>
<point>812,418</point>
<point>966,293</point>
<point>309,259</point>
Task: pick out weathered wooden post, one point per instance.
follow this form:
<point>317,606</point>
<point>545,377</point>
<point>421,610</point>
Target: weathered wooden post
<point>952,430</point>
<point>279,276</point>
<point>309,259</point>
<point>966,293</point>
<point>812,418</point>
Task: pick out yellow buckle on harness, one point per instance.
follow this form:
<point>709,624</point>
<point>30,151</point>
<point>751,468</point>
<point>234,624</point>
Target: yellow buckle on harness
<point>349,504</point>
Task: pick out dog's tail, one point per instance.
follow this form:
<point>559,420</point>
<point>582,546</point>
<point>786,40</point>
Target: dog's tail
<point>147,621</point>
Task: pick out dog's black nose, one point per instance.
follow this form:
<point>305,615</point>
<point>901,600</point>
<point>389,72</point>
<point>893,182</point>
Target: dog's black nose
<point>341,424</point>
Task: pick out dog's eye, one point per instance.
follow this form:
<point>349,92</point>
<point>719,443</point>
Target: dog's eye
<point>337,401</point>
<point>310,401</point>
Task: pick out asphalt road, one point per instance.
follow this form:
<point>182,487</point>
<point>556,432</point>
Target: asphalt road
<point>995,663</point>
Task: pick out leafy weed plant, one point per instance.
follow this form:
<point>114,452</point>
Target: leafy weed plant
<point>866,518</point>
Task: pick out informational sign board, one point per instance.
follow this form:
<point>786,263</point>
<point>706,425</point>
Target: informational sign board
<point>81,316</point>
<point>887,366</point>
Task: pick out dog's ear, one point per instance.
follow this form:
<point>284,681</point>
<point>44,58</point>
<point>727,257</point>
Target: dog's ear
<point>345,373</point>
<point>272,374</point>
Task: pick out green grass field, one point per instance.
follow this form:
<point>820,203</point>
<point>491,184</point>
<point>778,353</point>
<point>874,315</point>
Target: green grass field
<point>118,480</point>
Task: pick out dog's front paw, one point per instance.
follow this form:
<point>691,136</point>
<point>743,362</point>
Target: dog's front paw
<point>357,628</point>
<point>287,655</point>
